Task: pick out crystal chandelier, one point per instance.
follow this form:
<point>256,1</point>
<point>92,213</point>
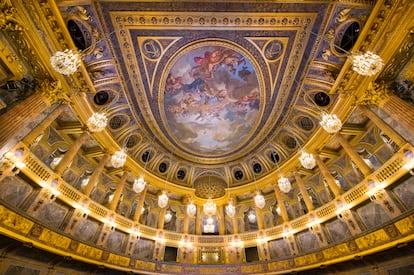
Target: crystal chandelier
<point>97,122</point>
<point>66,62</point>
<point>168,216</point>
<point>367,64</point>
<point>259,200</point>
<point>139,185</point>
<point>210,207</point>
<point>307,160</point>
<point>118,159</point>
<point>191,209</point>
<point>284,184</point>
<point>163,199</point>
<point>251,216</point>
<point>230,210</point>
<point>330,123</point>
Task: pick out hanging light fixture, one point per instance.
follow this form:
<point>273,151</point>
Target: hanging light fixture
<point>191,209</point>
<point>259,200</point>
<point>97,122</point>
<point>118,159</point>
<point>210,207</point>
<point>163,199</point>
<point>284,184</point>
<point>307,160</point>
<point>367,64</point>
<point>66,62</point>
<point>139,185</point>
<point>230,209</point>
<point>168,216</point>
<point>330,123</point>
<point>251,216</point>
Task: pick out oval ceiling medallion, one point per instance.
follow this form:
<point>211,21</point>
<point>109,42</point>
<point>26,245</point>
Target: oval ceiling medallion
<point>211,98</point>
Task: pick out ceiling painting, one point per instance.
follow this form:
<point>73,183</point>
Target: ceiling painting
<point>211,98</point>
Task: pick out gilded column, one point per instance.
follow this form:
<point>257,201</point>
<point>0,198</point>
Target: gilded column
<point>161,218</point>
<point>382,96</point>
<point>199,221</point>
<point>118,192</point>
<point>259,218</point>
<point>305,194</point>
<point>355,157</point>
<point>281,204</point>
<point>30,138</point>
<point>140,204</point>
<point>186,224</point>
<point>221,220</point>
<point>381,124</point>
<point>93,180</point>
<point>15,121</point>
<point>71,153</point>
<point>327,176</point>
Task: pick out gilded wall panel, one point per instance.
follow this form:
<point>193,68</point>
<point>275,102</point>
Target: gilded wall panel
<point>251,268</point>
<point>405,225</point>
<point>372,239</point>
<point>307,259</point>
<point>118,260</point>
<point>54,239</point>
<point>279,265</point>
<point>89,251</point>
<point>14,221</point>
<point>144,265</point>
<point>172,268</point>
<point>212,270</point>
<point>336,251</point>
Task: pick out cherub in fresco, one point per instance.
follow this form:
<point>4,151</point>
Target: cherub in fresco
<point>173,83</point>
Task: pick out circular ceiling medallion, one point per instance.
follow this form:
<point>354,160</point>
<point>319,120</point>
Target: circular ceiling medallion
<point>211,98</point>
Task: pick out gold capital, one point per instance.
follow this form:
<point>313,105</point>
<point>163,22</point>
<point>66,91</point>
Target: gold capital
<point>53,91</point>
<point>8,21</point>
<point>375,93</point>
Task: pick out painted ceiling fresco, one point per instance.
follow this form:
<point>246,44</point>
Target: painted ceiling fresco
<point>211,98</point>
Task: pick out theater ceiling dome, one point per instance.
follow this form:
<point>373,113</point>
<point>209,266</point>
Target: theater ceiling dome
<point>225,88</point>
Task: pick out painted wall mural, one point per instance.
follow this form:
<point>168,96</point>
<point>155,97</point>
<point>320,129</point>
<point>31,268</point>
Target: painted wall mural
<point>211,99</point>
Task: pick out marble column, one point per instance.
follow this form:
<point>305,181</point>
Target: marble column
<point>355,157</point>
<point>140,204</point>
<point>118,192</point>
<point>71,153</point>
<point>305,194</point>
<point>94,178</point>
<point>15,121</point>
<point>30,138</point>
<point>336,190</point>
<point>281,204</point>
<point>382,96</point>
<point>381,124</point>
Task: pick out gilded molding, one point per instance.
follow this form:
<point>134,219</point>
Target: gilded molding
<point>374,94</point>
<point>8,18</point>
<point>54,239</point>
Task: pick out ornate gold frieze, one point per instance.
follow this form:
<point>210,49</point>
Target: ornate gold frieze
<point>336,251</point>
<point>144,265</point>
<point>118,260</point>
<point>212,270</point>
<point>306,260</point>
<point>280,265</point>
<point>405,225</point>
<point>54,239</point>
<point>89,251</point>
<point>172,268</point>
<point>252,268</point>
<point>373,239</point>
<point>15,221</point>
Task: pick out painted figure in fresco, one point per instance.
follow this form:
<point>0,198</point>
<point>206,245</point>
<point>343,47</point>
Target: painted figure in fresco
<point>211,98</point>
